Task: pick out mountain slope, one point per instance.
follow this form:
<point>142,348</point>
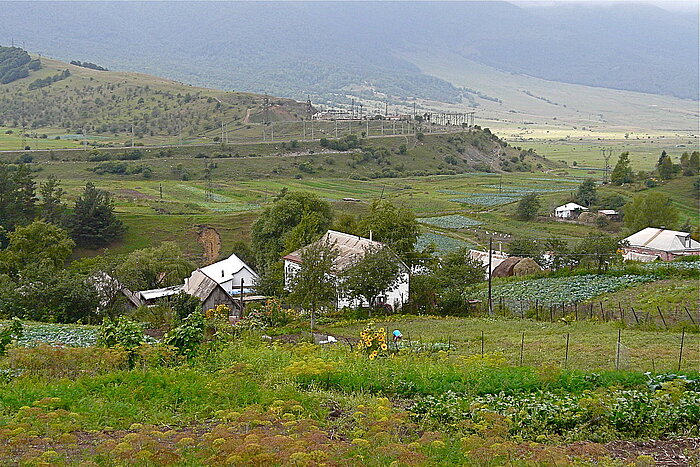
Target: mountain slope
<point>325,48</point>
<point>107,102</point>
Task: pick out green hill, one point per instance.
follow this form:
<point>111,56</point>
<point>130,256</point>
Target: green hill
<point>61,99</point>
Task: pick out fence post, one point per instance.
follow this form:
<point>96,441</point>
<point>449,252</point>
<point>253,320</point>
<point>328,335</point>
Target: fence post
<point>662,315</point>
<point>617,356</point>
<point>551,313</point>
<point>602,312</point>
<point>692,320</point>
<point>522,348</point>
<point>680,354</point>
<point>482,344</point>
<point>622,313</point>
<point>566,356</point>
<point>635,315</point>
<point>576,310</point>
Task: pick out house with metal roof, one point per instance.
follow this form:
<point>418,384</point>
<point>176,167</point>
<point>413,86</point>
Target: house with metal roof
<point>653,243</point>
<point>351,248</point>
<point>569,211</point>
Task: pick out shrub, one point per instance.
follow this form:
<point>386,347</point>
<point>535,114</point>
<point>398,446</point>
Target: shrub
<point>123,332</point>
<point>187,337</point>
<point>8,332</point>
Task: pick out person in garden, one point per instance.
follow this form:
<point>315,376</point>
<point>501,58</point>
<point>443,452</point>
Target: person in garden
<point>397,335</point>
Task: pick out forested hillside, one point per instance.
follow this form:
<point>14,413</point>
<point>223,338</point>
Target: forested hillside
<point>82,100</point>
<point>15,64</point>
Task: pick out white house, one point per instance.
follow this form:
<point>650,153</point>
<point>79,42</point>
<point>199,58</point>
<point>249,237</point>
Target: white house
<point>229,274</point>
<point>352,248</point>
<point>652,243</point>
<point>569,211</point>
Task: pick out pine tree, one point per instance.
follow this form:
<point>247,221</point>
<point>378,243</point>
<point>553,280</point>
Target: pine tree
<point>622,173</point>
<point>93,223</point>
<point>51,208</point>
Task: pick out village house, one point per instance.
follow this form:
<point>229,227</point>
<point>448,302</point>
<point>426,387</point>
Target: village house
<point>227,282</point>
<point>652,243</point>
<point>569,211</point>
<point>352,248</point>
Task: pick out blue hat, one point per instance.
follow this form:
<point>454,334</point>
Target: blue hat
<point>397,333</point>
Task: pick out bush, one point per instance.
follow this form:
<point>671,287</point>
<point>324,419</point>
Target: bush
<point>123,332</point>
<point>187,337</point>
<point>8,332</point>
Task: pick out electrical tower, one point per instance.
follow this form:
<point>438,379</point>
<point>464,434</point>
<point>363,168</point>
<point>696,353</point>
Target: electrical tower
<point>607,153</point>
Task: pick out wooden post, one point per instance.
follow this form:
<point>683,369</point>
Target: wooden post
<point>622,312</point>
<point>692,320</point>
<point>242,303</point>
<point>602,312</point>
<point>590,316</point>
<point>576,310</point>
<point>662,316</point>
<point>482,344</point>
<point>680,354</point>
<point>617,356</point>
<point>522,347</point>
<point>566,356</point>
<point>551,313</point>
<point>635,315</point>
<point>490,269</point>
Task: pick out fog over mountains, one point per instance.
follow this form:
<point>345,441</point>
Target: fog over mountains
<point>325,49</point>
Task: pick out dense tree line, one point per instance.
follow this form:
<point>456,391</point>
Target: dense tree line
<point>48,81</point>
<point>89,65</point>
<point>15,64</point>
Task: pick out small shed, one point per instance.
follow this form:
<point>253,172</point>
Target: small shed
<point>210,292</point>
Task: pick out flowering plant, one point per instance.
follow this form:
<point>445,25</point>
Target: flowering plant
<point>373,342</point>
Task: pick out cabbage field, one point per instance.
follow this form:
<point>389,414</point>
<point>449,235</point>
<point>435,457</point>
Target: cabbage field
<point>556,290</point>
<point>454,221</point>
<point>442,243</point>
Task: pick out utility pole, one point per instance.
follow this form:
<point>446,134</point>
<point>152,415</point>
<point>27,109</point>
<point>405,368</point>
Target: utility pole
<point>490,269</point>
<point>132,135</point>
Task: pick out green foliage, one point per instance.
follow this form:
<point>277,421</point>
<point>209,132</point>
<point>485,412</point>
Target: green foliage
<point>93,223</point>
<point>377,271</point>
<point>188,336</point>
<point>526,248</point>
<point>48,81</point>
<point>314,283</point>
<point>51,208</point>
<point>42,293</point>
<point>8,332</point>
<point>122,332</point>
<point>651,210</point>
<point>15,64</point>
<point>17,196</point>
<point>155,267</point>
<point>665,167</point>
<point>586,194</point>
<point>528,207</point>
<point>622,173</point>
<point>38,243</point>
<point>597,250</point>
<point>442,288</point>
<point>271,230</point>
<point>395,226</point>
<point>184,304</point>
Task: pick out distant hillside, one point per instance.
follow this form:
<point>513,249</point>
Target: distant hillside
<point>15,64</point>
<point>79,99</point>
<point>327,49</point>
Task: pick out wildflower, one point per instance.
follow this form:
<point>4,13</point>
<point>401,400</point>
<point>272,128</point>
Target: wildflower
<point>384,347</point>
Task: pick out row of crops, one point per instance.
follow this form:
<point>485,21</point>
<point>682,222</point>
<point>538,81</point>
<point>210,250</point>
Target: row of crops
<point>556,290</point>
<point>454,221</point>
<point>442,243</point>
<point>58,334</point>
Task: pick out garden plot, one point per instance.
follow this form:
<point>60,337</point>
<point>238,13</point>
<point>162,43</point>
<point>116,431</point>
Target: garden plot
<point>442,243</point>
<point>454,221</point>
<point>524,190</point>
<point>487,199</point>
<point>58,334</point>
<point>557,290</point>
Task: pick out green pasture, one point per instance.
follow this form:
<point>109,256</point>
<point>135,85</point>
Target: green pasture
<point>592,345</point>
